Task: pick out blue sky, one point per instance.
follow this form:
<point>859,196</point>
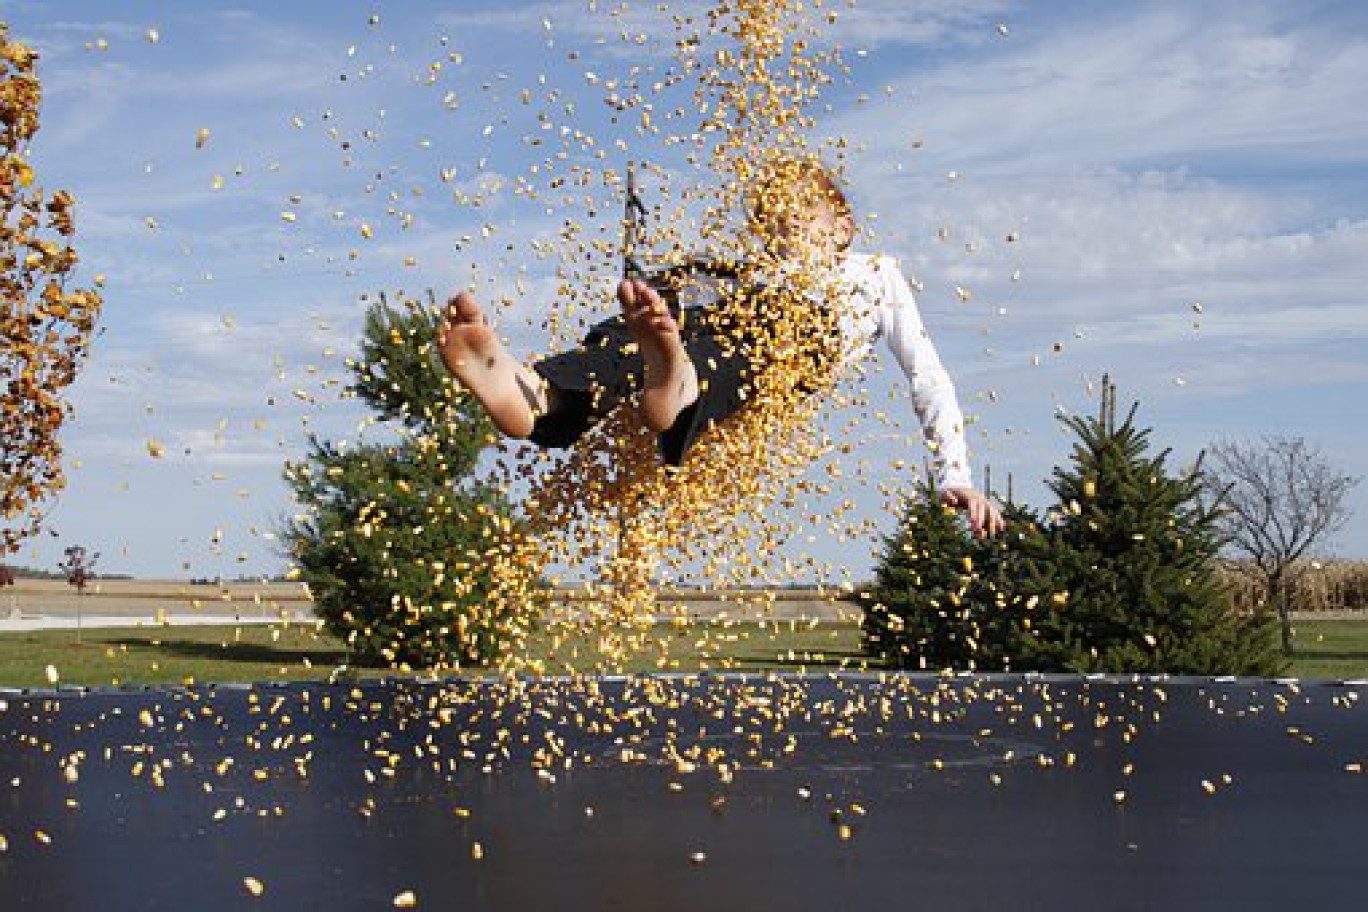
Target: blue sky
<point>1145,158</point>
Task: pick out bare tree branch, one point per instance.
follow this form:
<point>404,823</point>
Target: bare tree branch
<point>1276,498</point>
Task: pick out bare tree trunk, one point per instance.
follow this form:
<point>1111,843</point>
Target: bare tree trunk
<point>1277,590</point>
<point>1278,498</point>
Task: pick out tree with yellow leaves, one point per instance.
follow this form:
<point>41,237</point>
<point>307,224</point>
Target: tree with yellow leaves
<point>45,326</point>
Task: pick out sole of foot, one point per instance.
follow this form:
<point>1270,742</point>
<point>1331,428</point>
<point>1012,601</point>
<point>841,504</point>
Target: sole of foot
<point>475,356</point>
<point>671,382</point>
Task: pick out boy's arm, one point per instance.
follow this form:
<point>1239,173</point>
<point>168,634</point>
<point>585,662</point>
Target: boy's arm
<point>933,392</point>
<point>933,397</point>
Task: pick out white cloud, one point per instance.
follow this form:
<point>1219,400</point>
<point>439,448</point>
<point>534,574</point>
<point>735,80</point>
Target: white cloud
<point>1050,138</point>
<point>1110,246</point>
<point>937,24</point>
<point>1169,82</point>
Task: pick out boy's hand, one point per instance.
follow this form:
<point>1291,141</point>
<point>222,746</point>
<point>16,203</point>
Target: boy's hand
<point>984,516</point>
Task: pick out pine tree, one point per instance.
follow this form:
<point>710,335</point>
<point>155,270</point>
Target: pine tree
<point>396,537</point>
<point>1016,589</point>
<point>1137,549</point>
<point>1121,578</point>
<point>943,599</point>
<point>912,610</point>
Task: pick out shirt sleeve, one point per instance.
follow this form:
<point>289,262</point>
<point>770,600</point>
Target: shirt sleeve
<point>933,393</point>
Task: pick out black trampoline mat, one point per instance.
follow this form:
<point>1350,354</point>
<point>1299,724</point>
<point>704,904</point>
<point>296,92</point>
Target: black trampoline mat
<point>713,792</point>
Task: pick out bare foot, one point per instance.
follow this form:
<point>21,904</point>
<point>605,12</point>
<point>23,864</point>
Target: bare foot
<point>511,393</point>
<point>671,382</point>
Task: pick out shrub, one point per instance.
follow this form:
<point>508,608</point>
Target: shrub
<point>944,599</point>
<point>399,541</point>
<point>1121,576</point>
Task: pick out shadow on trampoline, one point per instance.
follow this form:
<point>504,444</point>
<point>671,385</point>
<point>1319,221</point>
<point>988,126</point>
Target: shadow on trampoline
<point>830,791</point>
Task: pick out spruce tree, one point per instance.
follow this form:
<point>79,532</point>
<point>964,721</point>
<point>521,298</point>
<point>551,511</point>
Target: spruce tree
<point>396,535</point>
<point>913,610</point>
<point>944,599</point>
<point>1136,548</point>
<point>1017,588</point>
<point>1121,577</point>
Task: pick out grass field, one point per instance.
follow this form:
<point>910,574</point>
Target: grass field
<point>293,652</point>
<point>1336,650</point>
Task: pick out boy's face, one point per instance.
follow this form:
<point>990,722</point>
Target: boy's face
<point>808,227</point>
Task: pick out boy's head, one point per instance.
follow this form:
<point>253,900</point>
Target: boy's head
<point>796,205</point>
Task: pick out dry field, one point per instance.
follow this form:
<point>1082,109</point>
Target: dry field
<point>1322,587</point>
<point>149,599</point>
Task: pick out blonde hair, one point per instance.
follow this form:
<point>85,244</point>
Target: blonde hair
<point>785,184</point>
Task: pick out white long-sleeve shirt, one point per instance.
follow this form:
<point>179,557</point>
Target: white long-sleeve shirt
<point>876,302</point>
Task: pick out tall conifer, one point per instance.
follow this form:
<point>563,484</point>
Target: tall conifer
<point>399,539</point>
<point>1121,575</point>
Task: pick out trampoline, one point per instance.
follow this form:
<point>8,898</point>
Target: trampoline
<point>842,791</point>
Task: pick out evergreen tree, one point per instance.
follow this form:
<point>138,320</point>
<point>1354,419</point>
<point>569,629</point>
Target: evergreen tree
<point>912,610</point>
<point>396,537</point>
<point>1137,549</point>
<point>1121,578</point>
<point>1018,590</point>
<point>944,599</point>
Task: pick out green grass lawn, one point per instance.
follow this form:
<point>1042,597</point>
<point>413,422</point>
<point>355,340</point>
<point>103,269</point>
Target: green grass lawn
<point>147,655</point>
<point>256,652</point>
<point>177,655</point>
<point>1331,649</point>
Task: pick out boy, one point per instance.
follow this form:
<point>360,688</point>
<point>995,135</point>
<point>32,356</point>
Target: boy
<point>692,376</point>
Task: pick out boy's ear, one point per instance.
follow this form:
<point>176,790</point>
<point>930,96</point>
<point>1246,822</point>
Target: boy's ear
<point>847,223</point>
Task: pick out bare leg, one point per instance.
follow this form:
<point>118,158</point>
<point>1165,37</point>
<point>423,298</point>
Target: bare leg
<point>671,382</point>
<point>510,392</point>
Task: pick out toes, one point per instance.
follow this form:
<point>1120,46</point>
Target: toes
<point>646,295</point>
<point>464,308</point>
<point>644,310</point>
<point>637,297</point>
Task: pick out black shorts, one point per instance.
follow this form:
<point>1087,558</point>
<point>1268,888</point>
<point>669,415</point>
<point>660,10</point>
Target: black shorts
<point>728,343</point>
<point>606,370</point>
